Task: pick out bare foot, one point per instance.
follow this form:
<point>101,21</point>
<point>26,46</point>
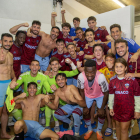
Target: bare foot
<point>6,136</point>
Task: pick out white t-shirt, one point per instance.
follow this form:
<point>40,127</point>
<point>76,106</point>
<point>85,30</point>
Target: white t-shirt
<point>101,81</point>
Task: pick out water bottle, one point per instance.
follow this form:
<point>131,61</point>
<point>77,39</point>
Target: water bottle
<point>43,121</point>
<point>40,115</point>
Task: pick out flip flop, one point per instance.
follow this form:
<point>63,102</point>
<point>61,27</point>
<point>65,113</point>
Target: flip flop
<point>99,137</point>
<point>108,130</point>
<point>87,135</point>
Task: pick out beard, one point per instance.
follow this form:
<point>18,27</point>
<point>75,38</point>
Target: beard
<point>6,48</point>
<point>35,33</point>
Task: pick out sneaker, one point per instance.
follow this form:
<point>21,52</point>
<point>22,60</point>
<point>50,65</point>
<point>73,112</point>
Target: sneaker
<point>76,134</point>
<point>56,129</point>
<point>114,134</point>
<point>11,123</point>
<point>129,132</point>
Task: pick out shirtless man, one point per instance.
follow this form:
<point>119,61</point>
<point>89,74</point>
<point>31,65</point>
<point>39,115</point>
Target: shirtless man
<point>69,94</point>
<point>6,73</point>
<point>30,107</point>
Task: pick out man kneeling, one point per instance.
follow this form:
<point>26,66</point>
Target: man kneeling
<point>69,94</point>
<point>29,126</point>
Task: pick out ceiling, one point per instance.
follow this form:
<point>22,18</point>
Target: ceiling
<point>101,6</point>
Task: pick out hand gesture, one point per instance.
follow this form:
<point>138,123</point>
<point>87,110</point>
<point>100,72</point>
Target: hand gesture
<point>26,24</point>
<point>86,46</point>
<point>103,27</point>
<point>47,99</point>
<point>54,14</point>
<point>63,11</point>
<point>134,58</point>
<point>81,53</point>
<point>111,112</point>
<point>13,84</point>
<point>50,74</point>
<point>46,72</point>
<point>53,87</point>
<point>68,61</point>
<point>137,115</point>
<point>128,76</point>
<point>109,38</point>
<point>23,95</point>
<point>98,42</point>
<point>73,37</point>
<point>79,64</point>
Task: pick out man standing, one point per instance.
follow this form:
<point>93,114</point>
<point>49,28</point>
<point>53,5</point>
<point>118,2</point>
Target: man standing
<point>30,45</point>
<point>6,73</point>
<point>93,86</point>
<point>29,126</point>
<point>70,95</point>
<point>16,50</point>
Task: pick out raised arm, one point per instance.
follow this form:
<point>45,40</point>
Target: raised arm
<point>63,16</point>
<point>53,15</point>
<point>19,98</point>
<point>14,29</point>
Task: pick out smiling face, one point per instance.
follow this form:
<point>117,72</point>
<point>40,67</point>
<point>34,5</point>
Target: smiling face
<point>92,24</point>
<point>76,23</point>
<point>21,39</point>
<point>89,36</point>
<point>34,68</point>
<point>79,34</point>
<point>109,61</point>
<point>98,52</point>
<point>35,29</point>
<point>60,47</point>
<point>54,33</point>
<point>55,66</point>
<point>90,72</point>
<point>32,90</point>
<point>121,49</point>
<point>7,42</point>
<point>120,69</point>
<point>116,33</point>
<point>65,31</point>
<point>71,49</point>
<point>61,81</point>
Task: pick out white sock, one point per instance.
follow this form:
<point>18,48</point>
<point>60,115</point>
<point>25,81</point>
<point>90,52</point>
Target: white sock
<point>56,123</point>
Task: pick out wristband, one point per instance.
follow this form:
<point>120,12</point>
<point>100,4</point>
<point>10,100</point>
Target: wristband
<point>12,101</point>
<point>73,66</point>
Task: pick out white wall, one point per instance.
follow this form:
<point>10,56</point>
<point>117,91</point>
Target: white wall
<point>14,12</point>
<point>137,33</point>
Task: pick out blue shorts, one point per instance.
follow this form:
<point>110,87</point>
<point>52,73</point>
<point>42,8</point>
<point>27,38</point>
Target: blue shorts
<point>24,68</point>
<point>89,101</point>
<point>70,108</point>
<point>71,81</point>
<point>3,88</point>
<point>34,129</point>
<point>43,61</point>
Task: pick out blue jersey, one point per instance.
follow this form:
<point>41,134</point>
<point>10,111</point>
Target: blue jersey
<point>132,46</point>
<point>72,32</point>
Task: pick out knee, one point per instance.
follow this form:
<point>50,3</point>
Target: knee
<point>18,125</point>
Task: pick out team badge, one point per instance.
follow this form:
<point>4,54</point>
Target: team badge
<point>98,35</point>
<point>114,87</point>
<point>77,59</point>
<point>19,78</point>
<point>38,81</point>
<point>37,41</point>
<point>127,85</point>
<point>14,52</point>
<point>131,67</point>
<point>29,40</point>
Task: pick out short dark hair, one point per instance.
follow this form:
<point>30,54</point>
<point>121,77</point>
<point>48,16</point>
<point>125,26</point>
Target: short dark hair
<point>7,35</point>
<point>55,28</point>
<point>70,43</point>
<point>110,55</point>
<point>37,22</point>
<point>76,18</point>
<point>89,30</point>
<point>60,40</point>
<point>32,83</point>
<point>91,18</point>
<point>115,25</point>
<point>121,41</point>
<point>35,61</point>
<point>78,28</point>
<point>95,45</point>
<point>54,59</point>
<point>66,25</point>
<point>90,63</point>
<point>20,32</point>
<point>60,74</point>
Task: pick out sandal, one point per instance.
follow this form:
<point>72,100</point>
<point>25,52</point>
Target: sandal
<point>99,137</point>
<point>108,130</point>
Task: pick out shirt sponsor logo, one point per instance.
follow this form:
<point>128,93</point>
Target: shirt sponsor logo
<point>121,92</point>
<point>30,47</point>
<point>38,81</point>
<point>127,85</point>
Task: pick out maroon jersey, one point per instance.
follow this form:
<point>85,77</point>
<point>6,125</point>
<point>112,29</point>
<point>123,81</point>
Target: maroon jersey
<point>74,60</point>
<point>29,49</point>
<point>89,51</point>
<point>124,92</point>
<point>16,51</point>
<point>134,67</point>
<point>81,44</point>
<point>98,67</point>
<point>60,57</point>
<point>67,39</point>
<point>100,34</point>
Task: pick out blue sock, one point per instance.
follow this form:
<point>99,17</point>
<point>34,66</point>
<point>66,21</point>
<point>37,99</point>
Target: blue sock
<point>88,123</point>
<point>138,120</point>
<point>100,124</point>
<point>77,122</point>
